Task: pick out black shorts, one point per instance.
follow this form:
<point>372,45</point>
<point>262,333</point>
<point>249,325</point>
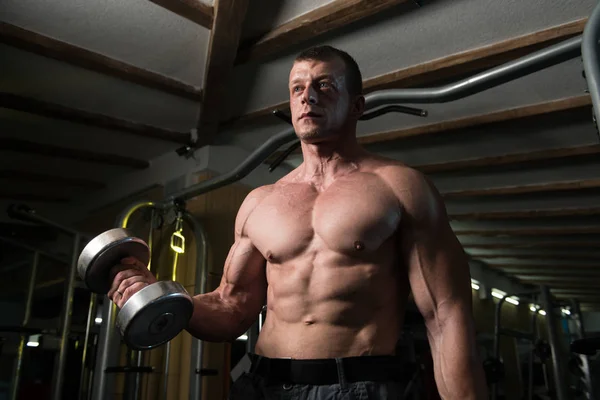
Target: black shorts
<point>353,378</point>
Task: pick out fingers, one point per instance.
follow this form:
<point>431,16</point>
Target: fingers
<point>119,277</point>
<point>133,286</point>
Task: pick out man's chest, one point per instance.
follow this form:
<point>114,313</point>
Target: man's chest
<point>353,216</point>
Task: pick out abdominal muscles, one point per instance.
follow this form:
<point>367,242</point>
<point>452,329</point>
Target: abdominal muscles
<point>324,304</point>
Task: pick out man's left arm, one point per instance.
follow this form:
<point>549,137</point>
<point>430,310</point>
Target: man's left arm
<point>439,277</point>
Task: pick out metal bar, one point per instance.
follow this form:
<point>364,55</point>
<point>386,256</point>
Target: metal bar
<point>589,52</point>
<point>168,349</point>
<point>51,256</point>
<point>88,328</point>
<point>585,361</point>
<point>497,340</point>
<point>25,213</point>
<point>26,315</point>
<point>557,359</point>
<point>133,381</point>
<point>108,352</point>
<point>195,391</point>
<point>248,165</point>
<point>531,356</point>
<point>166,371</point>
<point>66,320</point>
<point>510,71</point>
<point>108,340</point>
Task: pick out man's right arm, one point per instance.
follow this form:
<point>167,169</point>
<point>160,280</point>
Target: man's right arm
<point>228,312</point>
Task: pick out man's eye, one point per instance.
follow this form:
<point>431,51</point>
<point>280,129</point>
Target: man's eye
<point>323,85</point>
<point>296,89</point>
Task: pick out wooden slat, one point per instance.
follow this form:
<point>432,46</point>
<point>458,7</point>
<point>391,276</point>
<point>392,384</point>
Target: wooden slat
<point>41,198</point>
<point>331,16</point>
<point>222,49</point>
<point>194,10</point>
<point>575,291</point>
<point>540,267</point>
<point>513,158</point>
<point>564,281</point>
<point>538,256</point>
<point>57,111</point>
<point>524,245</point>
<point>567,230</point>
<point>23,146</point>
<point>455,65</point>
<point>522,189</point>
<point>575,272</point>
<point>557,212</point>
<point>61,51</point>
<point>23,176</point>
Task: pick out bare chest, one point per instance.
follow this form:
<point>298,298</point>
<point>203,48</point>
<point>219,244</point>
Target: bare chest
<point>353,216</point>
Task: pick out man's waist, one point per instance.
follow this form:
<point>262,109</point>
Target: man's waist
<point>326,371</point>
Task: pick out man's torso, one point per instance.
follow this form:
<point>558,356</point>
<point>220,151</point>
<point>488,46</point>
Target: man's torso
<point>335,284</point>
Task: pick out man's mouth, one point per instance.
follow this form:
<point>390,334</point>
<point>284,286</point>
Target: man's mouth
<point>310,115</point>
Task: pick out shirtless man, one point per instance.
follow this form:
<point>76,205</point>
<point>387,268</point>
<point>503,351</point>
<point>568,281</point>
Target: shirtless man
<point>334,249</point>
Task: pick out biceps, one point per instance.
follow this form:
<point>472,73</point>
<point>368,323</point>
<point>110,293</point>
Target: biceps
<point>244,278</point>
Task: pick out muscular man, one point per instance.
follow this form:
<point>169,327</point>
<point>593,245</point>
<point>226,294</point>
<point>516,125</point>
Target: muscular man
<point>333,249</point>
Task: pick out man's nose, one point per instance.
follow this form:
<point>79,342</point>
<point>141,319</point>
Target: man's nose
<point>310,95</point>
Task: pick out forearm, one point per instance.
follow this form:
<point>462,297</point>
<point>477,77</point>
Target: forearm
<point>458,370</point>
<point>216,319</point>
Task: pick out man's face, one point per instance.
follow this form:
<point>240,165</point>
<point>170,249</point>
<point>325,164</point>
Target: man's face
<point>319,99</point>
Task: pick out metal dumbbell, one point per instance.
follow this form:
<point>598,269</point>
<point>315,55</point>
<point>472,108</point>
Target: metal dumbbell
<point>152,316</point>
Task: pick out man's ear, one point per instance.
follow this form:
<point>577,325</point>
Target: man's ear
<point>358,106</point>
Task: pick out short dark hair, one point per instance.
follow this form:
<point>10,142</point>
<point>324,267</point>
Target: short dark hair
<point>327,53</point>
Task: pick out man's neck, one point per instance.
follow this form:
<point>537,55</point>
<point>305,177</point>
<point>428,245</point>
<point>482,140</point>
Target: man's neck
<point>325,161</point>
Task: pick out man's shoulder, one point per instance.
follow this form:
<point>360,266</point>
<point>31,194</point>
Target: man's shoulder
<point>395,173</point>
<point>411,187</point>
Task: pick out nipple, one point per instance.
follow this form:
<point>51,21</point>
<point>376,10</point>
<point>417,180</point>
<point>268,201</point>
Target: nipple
<point>358,245</point>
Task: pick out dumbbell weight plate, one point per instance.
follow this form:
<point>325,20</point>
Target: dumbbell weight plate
<point>155,315</point>
<point>104,252</point>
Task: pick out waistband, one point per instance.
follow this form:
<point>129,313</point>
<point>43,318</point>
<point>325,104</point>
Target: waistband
<point>330,371</point>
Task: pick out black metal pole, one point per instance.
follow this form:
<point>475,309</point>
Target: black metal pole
<point>557,353</point>
<point>195,391</point>
<point>589,53</point>
<point>67,311</point>
<point>519,68</point>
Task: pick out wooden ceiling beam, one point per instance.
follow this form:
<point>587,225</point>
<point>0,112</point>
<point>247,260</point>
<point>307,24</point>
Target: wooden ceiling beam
<point>555,212</point>
<point>25,176</point>
<point>452,66</point>
<point>574,272</point>
<point>512,158</point>
<point>541,267</point>
<point>524,189</point>
<point>23,146</point>
<point>193,10</point>
<point>563,280</point>
<point>224,41</point>
<point>57,111</point>
<point>539,256</point>
<point>45,46</point>
<point>567,230</point>
<point>524,245</point>
<point>575,291</point>
<point>333,15</point>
